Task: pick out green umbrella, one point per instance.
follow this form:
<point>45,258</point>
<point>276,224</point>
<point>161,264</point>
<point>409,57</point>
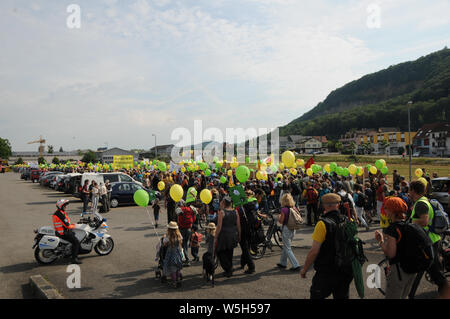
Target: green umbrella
<point>351,230</point>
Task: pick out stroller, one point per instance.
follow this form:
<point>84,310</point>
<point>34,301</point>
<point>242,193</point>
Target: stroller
<point>210,263</point>
<point>161,251</point>
<point>160,255</point>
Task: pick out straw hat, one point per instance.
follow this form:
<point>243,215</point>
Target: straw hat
<point>211,226</point>
<point>172,225</point>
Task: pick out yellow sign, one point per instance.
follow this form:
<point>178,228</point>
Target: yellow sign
<point>123,161</point>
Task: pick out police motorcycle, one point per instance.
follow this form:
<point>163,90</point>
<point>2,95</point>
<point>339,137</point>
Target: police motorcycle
<point>91,233</point>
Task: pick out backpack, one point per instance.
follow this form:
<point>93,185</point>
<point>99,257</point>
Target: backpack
<point>348,247</point>
<point>417,253</point>
<point>440,221</point>
<point>295,219</point>
<point>361,200</point>
<point>186,218</point>
<point>311,195</point>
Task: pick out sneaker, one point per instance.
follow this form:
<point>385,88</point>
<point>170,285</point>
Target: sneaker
<point>281,266</point>
<point>295,269</point>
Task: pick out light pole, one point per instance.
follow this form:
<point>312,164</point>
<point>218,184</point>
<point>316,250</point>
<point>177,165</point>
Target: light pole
<point>156,150</point>
<point>409,137</point>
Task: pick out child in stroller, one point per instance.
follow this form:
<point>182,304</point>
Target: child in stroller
<point>160,255</point>
<point>209,258</point>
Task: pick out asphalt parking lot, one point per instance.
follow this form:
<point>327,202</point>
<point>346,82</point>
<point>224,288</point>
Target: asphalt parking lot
<point>128,272</point>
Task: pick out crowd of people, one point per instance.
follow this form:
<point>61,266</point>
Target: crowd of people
<point>367,201</point>
<point>326,197</point>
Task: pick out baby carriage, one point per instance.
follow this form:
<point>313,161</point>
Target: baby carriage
<point>210,263</point>
<point>160,255</point>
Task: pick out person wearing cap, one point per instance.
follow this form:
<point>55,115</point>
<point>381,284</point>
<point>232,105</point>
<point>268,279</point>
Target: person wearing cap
<point>328,279</point>
<point>398,282</point>
<point>173,261</point>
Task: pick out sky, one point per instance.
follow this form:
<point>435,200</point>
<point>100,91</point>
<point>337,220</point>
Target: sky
<point>135,68</point>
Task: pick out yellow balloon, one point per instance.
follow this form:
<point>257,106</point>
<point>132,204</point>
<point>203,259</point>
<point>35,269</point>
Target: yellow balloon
<point>161,185</point>
<point>373,170</point>
<point>352,169</point>
<point>419,172</point>
<point>279,176</point>
<point>309,172</point>
<point>293,171</point>
<point>294,165</point>
<point>288,158</point>
<point>183,169</point>
<point>263,166</point>
<point>230,172</point>
<point>361,171</point>
<point>281,167</point>
<point>423,181</point>
<point>206,196</point>
<point>384,162</point>
<point>234,164</point>
<point>176,192</point>
<point>327,168</point>
<point>300,162</point>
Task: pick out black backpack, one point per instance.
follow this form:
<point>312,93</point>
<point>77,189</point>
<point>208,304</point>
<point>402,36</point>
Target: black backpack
<point>416,254</point>
<point>361,200</point>
<point>348,247</point>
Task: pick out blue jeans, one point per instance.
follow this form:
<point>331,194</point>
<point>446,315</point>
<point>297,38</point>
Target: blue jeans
<point>287,236</point>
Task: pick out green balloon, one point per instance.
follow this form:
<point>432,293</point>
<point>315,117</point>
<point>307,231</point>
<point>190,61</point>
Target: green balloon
<point>141,198</point>
<point>162,166</point>
<point>202,166</point>
<point>207,172</point>
<point>384,170</point>
<point>339,170</point>
<point>333,167</point>
<point>247,160</point>
<point>223,179</point>
<point>345,172</point>
<point>242,173</point>
<point>379,164</point>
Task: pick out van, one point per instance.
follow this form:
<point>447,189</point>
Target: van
<point>78,181</point>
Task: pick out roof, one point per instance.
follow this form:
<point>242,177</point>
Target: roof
<point>322,139</point>
<point>161,147</point>
<point>433,127</point>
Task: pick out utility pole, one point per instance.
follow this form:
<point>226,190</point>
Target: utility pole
<point>409,137</point>
<point>156,150</point>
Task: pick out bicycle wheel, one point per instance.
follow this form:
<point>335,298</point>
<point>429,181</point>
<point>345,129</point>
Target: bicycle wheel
<point>277,236</point>
<point>260,251</point>
<point>385,268</point>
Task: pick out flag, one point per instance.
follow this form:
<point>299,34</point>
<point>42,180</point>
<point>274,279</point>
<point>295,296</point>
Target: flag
<point>309,163</point>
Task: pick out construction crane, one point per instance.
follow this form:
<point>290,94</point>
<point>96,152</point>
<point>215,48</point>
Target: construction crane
<point>41,146</point>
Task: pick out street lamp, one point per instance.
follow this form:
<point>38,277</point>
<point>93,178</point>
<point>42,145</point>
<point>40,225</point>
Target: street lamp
<point>409,137</point>
<point>156,150</point>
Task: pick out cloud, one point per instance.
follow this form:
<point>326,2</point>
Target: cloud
<point>147,66</point>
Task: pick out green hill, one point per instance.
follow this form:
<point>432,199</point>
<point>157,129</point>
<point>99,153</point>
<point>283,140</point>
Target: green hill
<point>380,100</point>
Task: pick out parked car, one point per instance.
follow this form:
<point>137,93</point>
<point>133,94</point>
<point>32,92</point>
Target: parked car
<point>26,173</point>
<point>35,174</point>
<point>100,178</point>
<point>440,187</point>
<point>122,193</point>
<point>47,178</point>
<point>416,154</point>
<point>69,183</point>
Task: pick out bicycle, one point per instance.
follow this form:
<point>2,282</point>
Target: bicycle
<point>444,255</point>
<point>273,231</point>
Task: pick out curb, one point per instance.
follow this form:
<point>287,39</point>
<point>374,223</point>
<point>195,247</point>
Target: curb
<point>43,289</point>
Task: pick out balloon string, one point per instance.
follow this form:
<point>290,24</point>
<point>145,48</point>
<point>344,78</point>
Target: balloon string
<point>149,217</point>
